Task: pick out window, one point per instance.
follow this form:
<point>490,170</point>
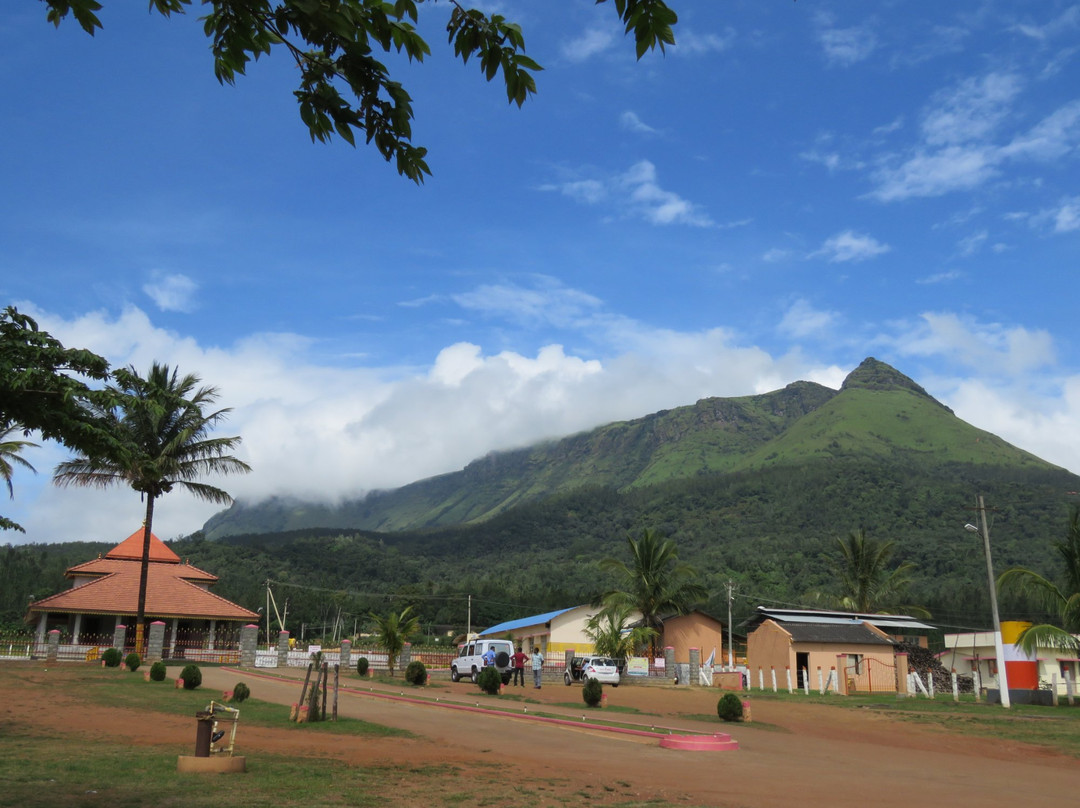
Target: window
<point>855,663</point>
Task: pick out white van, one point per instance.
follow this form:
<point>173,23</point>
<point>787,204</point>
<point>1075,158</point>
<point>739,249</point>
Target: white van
<point>470,659</point>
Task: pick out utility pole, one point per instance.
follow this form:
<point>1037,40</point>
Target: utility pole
<point>730,644</point>
<point>999,646</point>
<point>468,627</point>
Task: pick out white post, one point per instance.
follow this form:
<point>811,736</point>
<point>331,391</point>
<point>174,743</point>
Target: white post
<point>1070,688</point>
<point>761,679</point>
<point>930,684</point>
<point>210,643</point>
<point>978,684</point>
<point>831,681</point>
<point>820,682</point>
<point>78,628</point>
<point>955,688</point>
<point>787,671</point>
<point>1054,688</point>
<point>806,681</point>
<point>42,624</point>
<point>772,674</point>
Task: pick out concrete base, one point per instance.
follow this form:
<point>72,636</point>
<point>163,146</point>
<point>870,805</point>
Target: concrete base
<point>211,765</point>
<point>700,743</point>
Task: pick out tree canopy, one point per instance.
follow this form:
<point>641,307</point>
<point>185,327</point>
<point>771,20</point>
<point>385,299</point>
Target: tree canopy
<point>865,581</point>
<point>1062,601</point>
<point>655,582</point>
<point>161,427</point>
<point>334,45</point>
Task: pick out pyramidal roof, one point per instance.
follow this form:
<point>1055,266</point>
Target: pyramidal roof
<point>131,549</point>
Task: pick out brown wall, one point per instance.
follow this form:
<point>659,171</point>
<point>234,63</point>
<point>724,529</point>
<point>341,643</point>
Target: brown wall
<point>694,630</point>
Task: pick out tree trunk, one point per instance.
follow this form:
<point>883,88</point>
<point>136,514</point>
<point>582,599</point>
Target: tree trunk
<point>144,571</point>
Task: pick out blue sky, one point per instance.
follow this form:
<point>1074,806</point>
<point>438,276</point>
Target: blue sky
<point>792,188</point>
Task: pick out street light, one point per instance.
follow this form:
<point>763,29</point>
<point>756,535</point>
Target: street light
<point>999,645</point>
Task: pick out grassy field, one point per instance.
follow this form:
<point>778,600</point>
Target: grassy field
<point>1056,728</point>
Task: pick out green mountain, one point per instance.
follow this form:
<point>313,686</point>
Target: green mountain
<point>878,416</point>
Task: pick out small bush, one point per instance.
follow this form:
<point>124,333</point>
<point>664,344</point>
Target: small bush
<point>112,657</point>
<point>192,677</point>
<point>362,665</point>
<point>132,661</point>
<point>489,680</point>
<point>416,673</point>
<point>240,692</point>
<point>593,692</point>
<point>158,671</point>
<point>729,708</point>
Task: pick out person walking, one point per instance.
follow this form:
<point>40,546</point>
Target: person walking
<point>518,662</point>
<point>537,666</point>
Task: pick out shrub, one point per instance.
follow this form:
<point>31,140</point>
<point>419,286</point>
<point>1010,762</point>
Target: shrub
<point>112,657</point>
<point>489,680</point>
<point>158,671</point>
<point>240,692</point>
<point>592,692</point>
<point>192,677</point>
<point>729,708</point>
<point>362,665</point>
<point>416,673</point>
<point>132,661</point>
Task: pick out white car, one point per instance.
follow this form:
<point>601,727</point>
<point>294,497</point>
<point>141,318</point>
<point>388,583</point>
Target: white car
<point>603,669</point>
<point>470,659</point>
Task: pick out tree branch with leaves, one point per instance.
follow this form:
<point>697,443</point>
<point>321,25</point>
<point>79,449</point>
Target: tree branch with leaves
<point>334,45</point>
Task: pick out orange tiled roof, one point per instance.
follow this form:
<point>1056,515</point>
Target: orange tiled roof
<point>172,589</point>
<point>131,548</point>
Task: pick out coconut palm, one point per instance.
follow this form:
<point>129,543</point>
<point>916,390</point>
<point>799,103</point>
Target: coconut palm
<point>10,456</point>
<point>610,635</point>
<point>655,582</point>
<point>865,582</point>
<point>161,426</point>
<point>392,631</point>
<point>1064,601</point>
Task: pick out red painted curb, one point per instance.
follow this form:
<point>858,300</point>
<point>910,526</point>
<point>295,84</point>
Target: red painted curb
<point>720,742</point>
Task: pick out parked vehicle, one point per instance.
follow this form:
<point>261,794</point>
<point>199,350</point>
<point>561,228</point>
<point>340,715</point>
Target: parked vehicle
<point>470,659</point>
<point>604,669</point>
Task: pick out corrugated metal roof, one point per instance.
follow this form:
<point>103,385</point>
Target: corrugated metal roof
<point>536,619</point>
<point>828,617</point>
<point>850,633</point>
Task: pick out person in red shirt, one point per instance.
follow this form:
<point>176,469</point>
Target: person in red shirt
<point>518,662</point>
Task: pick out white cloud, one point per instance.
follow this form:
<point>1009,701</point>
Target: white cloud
<point>992,348</point>
<point>631,122</point>
<point>636,192</point>
<point>970,245</point>
<point>971,111</point>
<point>850,246</point>
<point>1063,23</point>
<point>171,292</point>
<point>776,254</point>
<point>940,277</point>
<point>1067,217</point>
<point>803,320</point>
<point>589,44</point>
<point>847,46</point>
<point>547,301</point>
<point>957,151</point>
<point>955,168</point>
<point>327,433</point>
<point>692,43</point>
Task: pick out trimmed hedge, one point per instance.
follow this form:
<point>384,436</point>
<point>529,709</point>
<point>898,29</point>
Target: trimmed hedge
<point>132,661</point>
<point>416,674</point>
<point>729,708</point>
<point>158,671</point>
<point>192,677</point>
<point>593,692</point>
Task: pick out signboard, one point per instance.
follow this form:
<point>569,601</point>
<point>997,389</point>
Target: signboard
<point>637,666</point>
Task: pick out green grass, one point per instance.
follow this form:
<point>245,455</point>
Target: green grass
<point>1054,728</point>
<point>120,690</point>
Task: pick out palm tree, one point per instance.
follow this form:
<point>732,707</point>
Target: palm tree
<point>607,629</point>
<point>866,584</point>
<point>10,449</point>
<point>392,631</point>
<point>161,426</point>
<point>1063,601</point>
<point>655,582</point>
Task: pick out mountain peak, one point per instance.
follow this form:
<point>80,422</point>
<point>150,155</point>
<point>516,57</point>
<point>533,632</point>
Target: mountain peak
<point>873,374</point>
